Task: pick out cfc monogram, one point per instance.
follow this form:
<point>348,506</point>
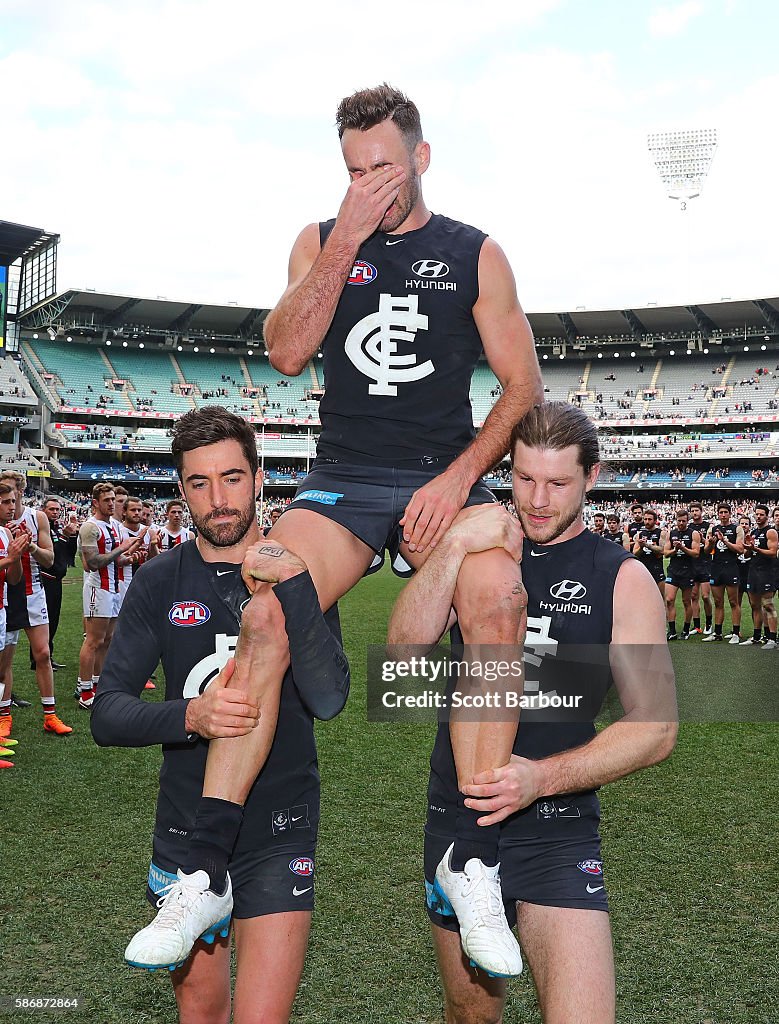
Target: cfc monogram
<point>372,344</point>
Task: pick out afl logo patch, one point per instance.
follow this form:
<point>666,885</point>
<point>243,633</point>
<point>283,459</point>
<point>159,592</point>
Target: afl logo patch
<point>189,613</point>
<point>303,866</point>
<point>591,867</point>
<point>362,273</point>
<point>430,268</point>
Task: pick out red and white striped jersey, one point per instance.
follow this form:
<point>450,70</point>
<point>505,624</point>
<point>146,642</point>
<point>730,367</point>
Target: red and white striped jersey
<point>106,578</point>
<point>125,572</point>
<point>5,540</point>
<point>31,573</point>
<point>170,540</point>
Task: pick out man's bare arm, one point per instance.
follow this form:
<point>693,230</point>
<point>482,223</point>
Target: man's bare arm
<point>43,549</point>
<point>772,540</point>
<point>508,345</point>
<point>295,329</point>
<point>12,563</point>
<point>645,735</point>
<point>93,559</point>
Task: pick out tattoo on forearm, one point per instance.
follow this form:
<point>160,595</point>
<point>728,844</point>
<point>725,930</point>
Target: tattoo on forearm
<point>274,552</point>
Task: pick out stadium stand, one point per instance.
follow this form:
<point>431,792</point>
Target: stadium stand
<point>151,380</point>
<point>674,414</point>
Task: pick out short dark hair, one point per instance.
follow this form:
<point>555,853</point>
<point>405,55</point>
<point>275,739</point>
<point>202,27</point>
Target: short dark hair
<point>209,425</point>
<point>100,489</point>
<point>763,507</point>
<point>650,512</point>
<point>612,517</point>
<point>174,503</point>
<point>49,500</point>
<point>121,489</point>
<point>682,512</point>
<point>368,107</point>
<point>723,505</point>
<point>635,505</point>
<point>558,425</point>
<point>696,504</point>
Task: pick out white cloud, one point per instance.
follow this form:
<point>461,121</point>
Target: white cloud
<point>672,21</point>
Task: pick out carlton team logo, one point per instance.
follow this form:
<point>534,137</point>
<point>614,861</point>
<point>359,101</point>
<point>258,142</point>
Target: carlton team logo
<point>372,344</point>
<point>302,866</point>
<point>362,273</point>
<point>189,613</point>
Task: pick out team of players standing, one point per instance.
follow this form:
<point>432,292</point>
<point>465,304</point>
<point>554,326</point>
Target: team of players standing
<point>707,560</point>
<point>36,547</point>
<point>116,538</point>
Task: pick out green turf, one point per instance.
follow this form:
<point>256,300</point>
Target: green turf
<point>690,851</point>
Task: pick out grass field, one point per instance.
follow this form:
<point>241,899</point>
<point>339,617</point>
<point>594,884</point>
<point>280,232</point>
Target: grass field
<point>690,850</point>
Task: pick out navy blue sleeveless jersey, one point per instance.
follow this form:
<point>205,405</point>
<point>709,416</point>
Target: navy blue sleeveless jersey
<point>401,349</point>
<point>702,565</point>
<point>177,610</point>
<point>633,529</point>
<point>615,538</point>
<point>570,588</point>
<point>649,558</point>
<point>724,558</point>
<point>680,561</point>
<point>764,563</point>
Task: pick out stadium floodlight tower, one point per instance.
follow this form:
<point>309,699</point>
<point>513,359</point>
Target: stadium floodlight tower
<point>683,160</point>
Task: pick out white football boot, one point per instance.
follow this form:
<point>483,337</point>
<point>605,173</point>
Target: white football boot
<point>188,911</point>
<point>474,896</point>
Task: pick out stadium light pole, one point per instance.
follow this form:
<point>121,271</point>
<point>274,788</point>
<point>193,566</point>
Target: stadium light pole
<point>683,160</point>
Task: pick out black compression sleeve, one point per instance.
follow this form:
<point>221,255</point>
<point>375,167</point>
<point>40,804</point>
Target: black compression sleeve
<point>319,666</point>
<point>119,717</point>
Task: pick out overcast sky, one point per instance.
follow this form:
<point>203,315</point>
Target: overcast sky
<point>179,146</point>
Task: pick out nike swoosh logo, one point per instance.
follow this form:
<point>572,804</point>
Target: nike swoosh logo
<point>299,892</point>
<point>224,572</point>
<point>299,818</point>
<point>538,554</point>
<point>595,889</point>
<point>396,242</point>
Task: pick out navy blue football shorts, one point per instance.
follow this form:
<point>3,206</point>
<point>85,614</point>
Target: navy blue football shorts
<point>761,581</point>
<point>265,881</point>
<point>369,501</point>
<point>702,570</point>
<point>557,864</point>
<point>724,577</point>
<point>680,580</point>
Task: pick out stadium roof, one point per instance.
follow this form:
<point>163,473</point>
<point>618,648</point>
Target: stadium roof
<point>19,239</point>
<point>93,312</point>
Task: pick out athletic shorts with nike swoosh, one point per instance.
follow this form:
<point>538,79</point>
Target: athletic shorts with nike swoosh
<point>269,881</point>
<point>556,864</point>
